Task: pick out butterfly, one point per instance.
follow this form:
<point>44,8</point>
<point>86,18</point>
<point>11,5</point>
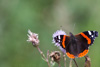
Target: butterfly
<point>74,45</point>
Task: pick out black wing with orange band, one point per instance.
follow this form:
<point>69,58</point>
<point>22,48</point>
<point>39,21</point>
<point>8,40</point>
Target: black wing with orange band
<point>62,40</point>
<point>85,39</point>
<point>82,47</point>
<point>65,44</point>
<point>65,41</point>
<point>90,36</point>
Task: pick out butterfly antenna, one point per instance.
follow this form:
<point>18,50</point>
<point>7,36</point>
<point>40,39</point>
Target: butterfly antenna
<point>73,27</point>
<point>60,27</point>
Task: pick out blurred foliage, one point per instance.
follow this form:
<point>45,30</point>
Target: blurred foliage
<point>44,17</point>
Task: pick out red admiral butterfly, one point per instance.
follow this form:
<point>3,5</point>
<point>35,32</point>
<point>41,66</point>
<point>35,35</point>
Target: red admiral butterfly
<point>74,45</point>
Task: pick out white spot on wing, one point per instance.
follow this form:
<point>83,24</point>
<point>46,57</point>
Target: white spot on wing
<point>59,36</point>
<point>89,32</point>
<point>59,41</point>
<point>92,36</point>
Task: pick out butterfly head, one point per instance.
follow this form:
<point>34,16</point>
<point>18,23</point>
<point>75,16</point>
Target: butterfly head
<point>72,37</point>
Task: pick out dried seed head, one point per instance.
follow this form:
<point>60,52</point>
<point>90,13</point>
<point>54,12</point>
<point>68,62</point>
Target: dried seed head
<point>33,37</point>
<point>87,62</point>
<point>55,56</point>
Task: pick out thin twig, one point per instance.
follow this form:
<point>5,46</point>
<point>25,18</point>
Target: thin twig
<point>41,53</point>
<point>59,64</point>
<point>75,62</point>
<point>64,58</point>
<point>48,58</point>
<point>70,64</point>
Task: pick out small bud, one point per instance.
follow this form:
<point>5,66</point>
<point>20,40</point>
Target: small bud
<point>33,37</point>
<point>87,62</point>
<point>55,56</point>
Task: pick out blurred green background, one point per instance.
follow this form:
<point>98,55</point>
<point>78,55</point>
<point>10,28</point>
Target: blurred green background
<point>44,17</point>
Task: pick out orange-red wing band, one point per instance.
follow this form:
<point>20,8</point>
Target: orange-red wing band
<point>63,41</point>
<point>83,53</point>
<point>70,55</point>
<point>88,39</point>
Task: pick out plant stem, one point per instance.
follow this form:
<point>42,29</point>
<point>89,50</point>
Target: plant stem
<point>46,59</point>
<point>75,63</point>
<point>87,61</point>
<point>70,64</point>
<point>64,58</point>
<point>59,65</point>
<point>41,53</point>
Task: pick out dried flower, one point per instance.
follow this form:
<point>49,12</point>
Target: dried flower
<point>33,37</point>
<point>55,56</point>
<point>87,62</point>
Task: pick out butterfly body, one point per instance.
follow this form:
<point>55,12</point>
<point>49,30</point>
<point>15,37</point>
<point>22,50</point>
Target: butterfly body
<point>75,45</point>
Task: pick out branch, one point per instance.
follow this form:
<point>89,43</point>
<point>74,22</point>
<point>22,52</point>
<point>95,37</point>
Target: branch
<point>41,53</point>
<point>75,62</point>
<point>48,58</point>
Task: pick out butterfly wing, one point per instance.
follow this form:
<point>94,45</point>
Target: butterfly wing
<point>63,42</point>
<point>84,40</point>
<point>90,36</point>
<point>60,39</point>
